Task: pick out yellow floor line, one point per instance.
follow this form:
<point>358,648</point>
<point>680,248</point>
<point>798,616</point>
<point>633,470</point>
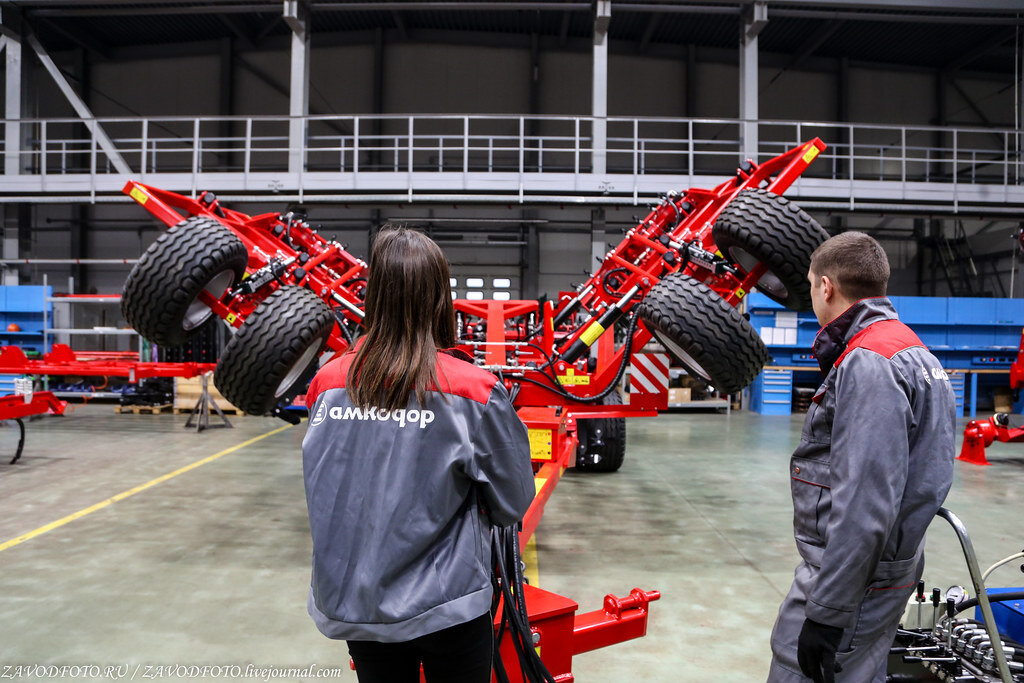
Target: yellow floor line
<point>532,572</point>
<point>131,492</point>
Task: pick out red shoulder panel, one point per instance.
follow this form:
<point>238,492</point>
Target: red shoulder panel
<point>333,375</point>
<point>456,377</point>
<point>462,378</point>
<point>886,338</point>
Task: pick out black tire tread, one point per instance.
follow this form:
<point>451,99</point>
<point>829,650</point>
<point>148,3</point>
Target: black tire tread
<point>171,273</point>
<point>268,344</point>
<point>778,233</point>
<point>613,452</point>
<point>714,333</point>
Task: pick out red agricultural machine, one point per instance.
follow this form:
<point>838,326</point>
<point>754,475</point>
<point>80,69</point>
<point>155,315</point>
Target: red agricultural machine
<point>980,434</point>
<point>677,276</point>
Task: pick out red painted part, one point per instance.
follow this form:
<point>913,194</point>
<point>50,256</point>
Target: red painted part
<point>641,255</point>
<point>14,406</point>
<point>553,449</point>
<point>329,268</point>
<point>564,634</point>
<point>979,434</point>
<point>1017,368</point>
<point>619,620</point>
<point>63,361</point>
<point>561,633</point>
<point>515,339</point>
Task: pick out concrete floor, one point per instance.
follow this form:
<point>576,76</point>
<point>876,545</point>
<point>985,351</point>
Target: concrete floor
<point>211,566</point>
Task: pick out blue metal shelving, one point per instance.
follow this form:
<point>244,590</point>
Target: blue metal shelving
<point>975,338</point>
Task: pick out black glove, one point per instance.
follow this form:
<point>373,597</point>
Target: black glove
<point>816,651</point>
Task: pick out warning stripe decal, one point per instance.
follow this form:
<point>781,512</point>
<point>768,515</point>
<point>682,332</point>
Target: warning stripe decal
<point>649,373</point>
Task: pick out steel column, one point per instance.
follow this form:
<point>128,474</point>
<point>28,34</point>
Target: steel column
<point>297,15</point>
<point>11,40</point>
<point>754,19</point>
<point>599,90</point>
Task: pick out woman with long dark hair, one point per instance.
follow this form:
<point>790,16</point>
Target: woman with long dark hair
<point>406,447</point>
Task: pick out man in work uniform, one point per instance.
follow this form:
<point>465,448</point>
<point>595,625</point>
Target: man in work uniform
<point>874,464</point>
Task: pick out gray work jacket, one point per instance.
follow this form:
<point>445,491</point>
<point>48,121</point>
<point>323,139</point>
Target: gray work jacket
<point>875,459</point>
<point>400,545</point>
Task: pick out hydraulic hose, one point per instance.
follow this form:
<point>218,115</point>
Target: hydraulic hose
<point>508,582</point>
<point>992,597</point>
<point>597,398</point>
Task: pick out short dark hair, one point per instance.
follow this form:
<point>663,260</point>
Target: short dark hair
<point>855,262</point>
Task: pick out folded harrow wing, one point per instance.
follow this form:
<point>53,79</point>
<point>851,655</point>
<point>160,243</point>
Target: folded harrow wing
<point>677,276</point>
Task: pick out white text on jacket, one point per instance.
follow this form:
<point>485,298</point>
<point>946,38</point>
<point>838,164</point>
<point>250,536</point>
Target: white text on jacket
<point>401,416</point>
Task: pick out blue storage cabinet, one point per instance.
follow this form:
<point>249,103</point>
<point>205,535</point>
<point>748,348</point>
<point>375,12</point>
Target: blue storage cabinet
<point>28,307</point>
<point>965,334</point>
<point>959,383</point>
<point>772,392</point>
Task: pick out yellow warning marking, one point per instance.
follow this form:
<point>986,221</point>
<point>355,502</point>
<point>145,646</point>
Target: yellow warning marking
<point>740,293</point>
<point>231,318</point>
<point>532,572</point>
<point>138,195</point>
<point>131,492</point>
<point>570,377</point>
<point>591,334</point>
<point>538,483</point>
<point>540,444</point>
<point>810,154</point>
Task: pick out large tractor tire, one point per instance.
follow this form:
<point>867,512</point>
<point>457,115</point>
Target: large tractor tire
<point>160,298</point>
<point>704,333</point>
<point>602,446</point>
<point>760,227</point>
<point>273,349</point>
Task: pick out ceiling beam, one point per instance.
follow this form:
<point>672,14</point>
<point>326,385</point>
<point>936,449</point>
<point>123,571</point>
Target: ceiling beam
<point>241,34</point>
<point>652,25</point>
<point>981,50</point>
<point>563,30</point>
<point>282,89</point>
<point>267,28</point>
<point>396,16</point>
<point>79,105</point>
<point>95,49</point>
<point>810,46</point>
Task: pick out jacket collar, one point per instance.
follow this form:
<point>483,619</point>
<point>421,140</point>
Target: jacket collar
<point>833,338</point>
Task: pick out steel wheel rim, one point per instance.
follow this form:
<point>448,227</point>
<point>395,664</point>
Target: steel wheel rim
<point>769,282</point>
<point>297,369</point>
<point>685,358</point>
<point>198,312</point>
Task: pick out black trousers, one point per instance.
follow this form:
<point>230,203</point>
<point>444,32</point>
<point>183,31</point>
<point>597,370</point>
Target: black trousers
<point>460,654</point>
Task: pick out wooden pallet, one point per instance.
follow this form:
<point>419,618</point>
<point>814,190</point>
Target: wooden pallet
<point>143,410</point>
<point>187,391</point>
<point>226,409</point>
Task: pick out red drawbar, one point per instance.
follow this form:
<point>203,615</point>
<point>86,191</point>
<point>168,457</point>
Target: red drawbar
<point>886,337</point>
<point>456,377</point>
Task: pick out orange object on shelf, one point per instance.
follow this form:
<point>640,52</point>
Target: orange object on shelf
<point>14,327</point>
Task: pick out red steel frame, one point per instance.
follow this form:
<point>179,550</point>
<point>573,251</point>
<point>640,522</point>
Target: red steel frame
<point>14,406</point>
<point>516,339</point>
<point>979,434</point>
<point>61,360</point>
